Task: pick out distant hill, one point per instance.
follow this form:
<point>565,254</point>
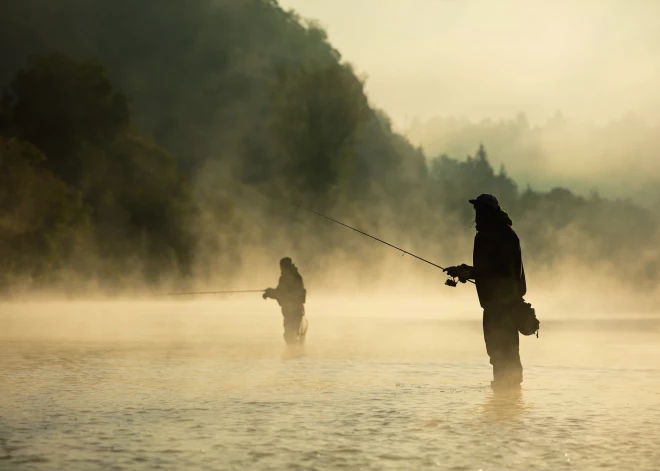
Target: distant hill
<point>160,141</point>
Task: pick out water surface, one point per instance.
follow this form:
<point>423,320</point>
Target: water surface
<point>210,385</point>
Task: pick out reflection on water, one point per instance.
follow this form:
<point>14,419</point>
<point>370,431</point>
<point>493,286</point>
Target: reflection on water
<point>186,386</point>
<point>293,351</point>
<point>505,404</point>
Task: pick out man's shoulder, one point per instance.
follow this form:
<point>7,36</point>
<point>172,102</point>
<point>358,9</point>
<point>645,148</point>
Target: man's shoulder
<point>511,232</point>
<point>497,234</point>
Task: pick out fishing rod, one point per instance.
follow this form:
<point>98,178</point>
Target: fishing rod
<point>217,292</point>
<point>449,282</point>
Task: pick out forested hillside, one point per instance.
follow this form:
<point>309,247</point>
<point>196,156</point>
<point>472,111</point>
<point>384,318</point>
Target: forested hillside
<point>158,140</point>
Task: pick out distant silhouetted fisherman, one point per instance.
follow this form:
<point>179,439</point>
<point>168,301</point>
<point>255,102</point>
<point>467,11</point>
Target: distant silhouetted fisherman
<point>290,295</point>
<point>500,278</point>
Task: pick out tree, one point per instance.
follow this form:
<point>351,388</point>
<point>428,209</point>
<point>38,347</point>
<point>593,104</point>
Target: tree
<point>317,114</point>
<point>44,225</point>
<point>60,105</point>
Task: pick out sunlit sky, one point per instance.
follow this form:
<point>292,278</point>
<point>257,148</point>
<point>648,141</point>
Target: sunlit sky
<point>592,60</point>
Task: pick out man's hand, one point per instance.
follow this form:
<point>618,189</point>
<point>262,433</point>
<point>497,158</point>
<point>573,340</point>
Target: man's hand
<point>268,293</point>
<point>462,272</point>
<point>452,271</point>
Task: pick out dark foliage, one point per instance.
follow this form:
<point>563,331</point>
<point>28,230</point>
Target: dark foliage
<point>247,108</point>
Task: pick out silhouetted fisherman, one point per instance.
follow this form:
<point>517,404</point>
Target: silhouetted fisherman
<point>500,278</point>
<point>290,295</point>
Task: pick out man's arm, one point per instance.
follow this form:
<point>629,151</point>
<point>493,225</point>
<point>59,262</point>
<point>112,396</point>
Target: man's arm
<point>463,272</point>
<point>275,293</point>
<point>269,293</point>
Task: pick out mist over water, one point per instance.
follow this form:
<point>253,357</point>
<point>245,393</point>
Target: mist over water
<point>381,384</point>
<point>156,147</point>
<point>168,156</point>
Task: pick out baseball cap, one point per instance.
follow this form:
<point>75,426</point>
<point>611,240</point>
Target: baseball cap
<point>487,200</point>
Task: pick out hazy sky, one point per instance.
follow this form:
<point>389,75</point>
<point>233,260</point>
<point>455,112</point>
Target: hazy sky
<point>591,59</point>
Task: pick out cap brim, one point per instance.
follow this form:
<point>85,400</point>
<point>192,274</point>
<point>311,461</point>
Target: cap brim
<point>483,203</point>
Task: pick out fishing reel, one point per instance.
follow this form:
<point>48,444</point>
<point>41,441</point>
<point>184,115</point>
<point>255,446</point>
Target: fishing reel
<point>451,282</point>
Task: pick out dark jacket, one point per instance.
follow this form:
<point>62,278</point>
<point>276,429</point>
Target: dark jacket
<point>497,266</point>
<point>290,290</point>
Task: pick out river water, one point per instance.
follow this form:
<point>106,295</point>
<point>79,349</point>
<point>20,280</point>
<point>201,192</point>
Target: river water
<point>391,385</point>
